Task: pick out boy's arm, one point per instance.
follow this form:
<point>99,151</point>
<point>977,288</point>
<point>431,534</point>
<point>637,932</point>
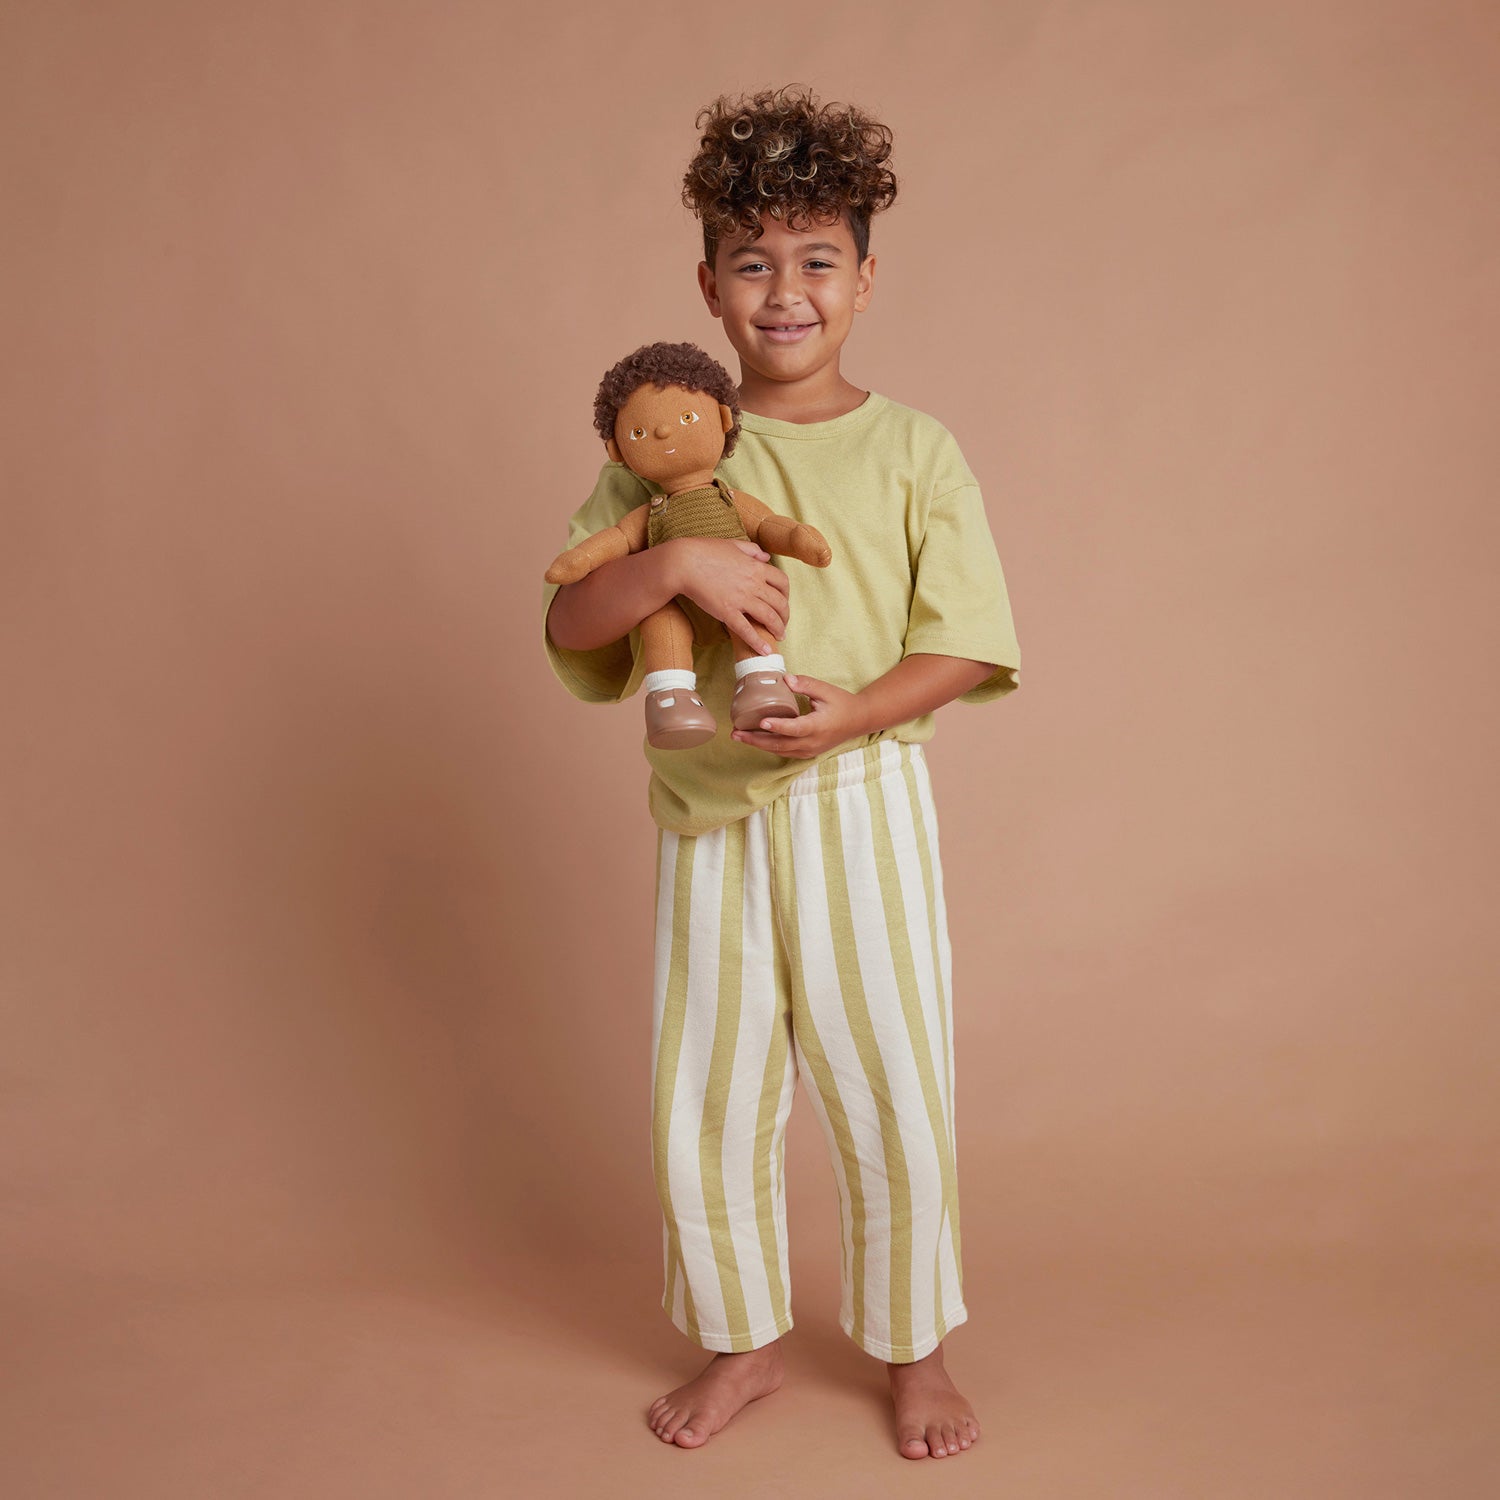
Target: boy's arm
<point>604,672</point>
<point>612,600</point>
<point>733,581</point>
<point>918,684</point>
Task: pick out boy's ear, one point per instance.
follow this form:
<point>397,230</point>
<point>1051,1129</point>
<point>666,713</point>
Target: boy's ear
<point>612,448</point>
<point>726,417</point>
<point>709,287</point>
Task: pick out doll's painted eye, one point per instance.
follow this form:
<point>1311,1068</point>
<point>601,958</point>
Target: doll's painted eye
<point>689,417</point>
<point>637,432</point>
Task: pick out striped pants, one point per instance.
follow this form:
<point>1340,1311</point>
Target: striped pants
<point>809,940</point>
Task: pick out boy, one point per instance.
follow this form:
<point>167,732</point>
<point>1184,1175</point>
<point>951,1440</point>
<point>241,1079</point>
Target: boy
<point>801,930</point>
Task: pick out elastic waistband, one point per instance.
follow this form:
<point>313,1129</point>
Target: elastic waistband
<point>854,767</point>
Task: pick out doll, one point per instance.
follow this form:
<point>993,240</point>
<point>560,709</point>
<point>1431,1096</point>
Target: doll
<point>670,413</point>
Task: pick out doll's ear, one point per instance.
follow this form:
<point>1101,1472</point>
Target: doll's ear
<point>726,417</point>
<point>612,448</point>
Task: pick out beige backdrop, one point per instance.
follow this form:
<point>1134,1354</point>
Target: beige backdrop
<point>326,956</point>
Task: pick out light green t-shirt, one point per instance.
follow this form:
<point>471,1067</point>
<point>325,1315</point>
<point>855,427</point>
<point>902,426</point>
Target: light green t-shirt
<point>914,570</point>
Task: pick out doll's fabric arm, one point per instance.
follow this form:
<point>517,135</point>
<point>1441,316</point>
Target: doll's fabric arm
<point>626,536</point>
<point>781,534</point>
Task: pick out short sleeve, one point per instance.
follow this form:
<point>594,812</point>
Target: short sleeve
<point>960,606</point>
<point>603,674</point>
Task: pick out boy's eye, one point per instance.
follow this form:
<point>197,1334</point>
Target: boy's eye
<point>637,432</point>
<point>757,265</point>
<point>688,417</point>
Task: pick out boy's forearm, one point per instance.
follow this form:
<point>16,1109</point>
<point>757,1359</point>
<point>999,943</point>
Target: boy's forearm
<point>917,685</point>
<point>612,600</point>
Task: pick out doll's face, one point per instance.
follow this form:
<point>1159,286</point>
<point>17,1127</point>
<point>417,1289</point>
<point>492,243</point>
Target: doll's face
<point>665,434</point>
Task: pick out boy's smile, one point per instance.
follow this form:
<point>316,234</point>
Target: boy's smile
<point>787,300</point>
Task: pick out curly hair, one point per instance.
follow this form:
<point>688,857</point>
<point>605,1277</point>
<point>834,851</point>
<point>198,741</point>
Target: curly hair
<point>663,365</point>
<point>779,152</point>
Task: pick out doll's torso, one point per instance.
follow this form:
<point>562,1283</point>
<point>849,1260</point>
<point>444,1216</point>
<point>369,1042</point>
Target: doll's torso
<point>705,511</point>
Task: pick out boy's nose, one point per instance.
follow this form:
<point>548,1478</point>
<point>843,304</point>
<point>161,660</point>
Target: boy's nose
<point>785,293</point>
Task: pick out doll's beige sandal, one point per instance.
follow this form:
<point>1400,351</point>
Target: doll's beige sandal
<point>676,719</point>
<point>762,695</point>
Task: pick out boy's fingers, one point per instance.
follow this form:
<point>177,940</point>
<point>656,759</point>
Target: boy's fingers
<point>770,618</point>
<point>752,637</point>
<point>775,625</point>
<point>779,602</point>
<point>777,744</point>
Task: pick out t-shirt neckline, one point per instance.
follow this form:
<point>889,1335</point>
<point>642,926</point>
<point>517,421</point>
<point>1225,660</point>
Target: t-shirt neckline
<point>833,427</point>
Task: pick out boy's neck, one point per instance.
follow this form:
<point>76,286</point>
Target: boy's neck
<point>816,399</point>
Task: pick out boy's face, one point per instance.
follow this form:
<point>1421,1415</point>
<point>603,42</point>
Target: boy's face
<point>664,434</point>
<point>809,278</point>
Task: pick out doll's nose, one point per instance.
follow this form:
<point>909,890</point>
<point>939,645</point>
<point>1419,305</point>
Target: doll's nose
<point>663,430</point>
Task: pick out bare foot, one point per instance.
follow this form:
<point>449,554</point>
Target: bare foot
<point>932,1419</point>
<point>691,1414</point>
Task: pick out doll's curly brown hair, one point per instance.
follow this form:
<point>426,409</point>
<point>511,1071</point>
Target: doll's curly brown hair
<point>663,365</point>
<point>781,153</point>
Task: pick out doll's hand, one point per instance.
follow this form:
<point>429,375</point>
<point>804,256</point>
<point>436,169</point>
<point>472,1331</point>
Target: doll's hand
<point>735,582</point>
<point>568,567</point>
<point>835,716</point>
<point>810,547</point>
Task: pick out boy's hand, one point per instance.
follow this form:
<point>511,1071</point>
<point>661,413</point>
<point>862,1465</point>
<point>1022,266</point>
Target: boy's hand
<point>835,716</point>
<point>734,581</point>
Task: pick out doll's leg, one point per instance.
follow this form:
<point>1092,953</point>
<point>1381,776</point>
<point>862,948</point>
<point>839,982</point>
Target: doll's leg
<point>676,717</point>
<point>760,688</point>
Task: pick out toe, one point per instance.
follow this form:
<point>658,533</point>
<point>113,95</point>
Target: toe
<point>913,1445</point>
<point>950,1437</point>
<point>688,1438</point>
<point>935,1444</point>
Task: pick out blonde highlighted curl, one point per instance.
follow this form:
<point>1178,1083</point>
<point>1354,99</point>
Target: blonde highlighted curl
<point>780,153</point>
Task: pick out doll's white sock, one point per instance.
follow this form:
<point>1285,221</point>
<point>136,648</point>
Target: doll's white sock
<point>772,663</point>
<point>671,677</point>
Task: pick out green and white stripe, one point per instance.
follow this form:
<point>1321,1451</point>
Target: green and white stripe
<point>809,940</point>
